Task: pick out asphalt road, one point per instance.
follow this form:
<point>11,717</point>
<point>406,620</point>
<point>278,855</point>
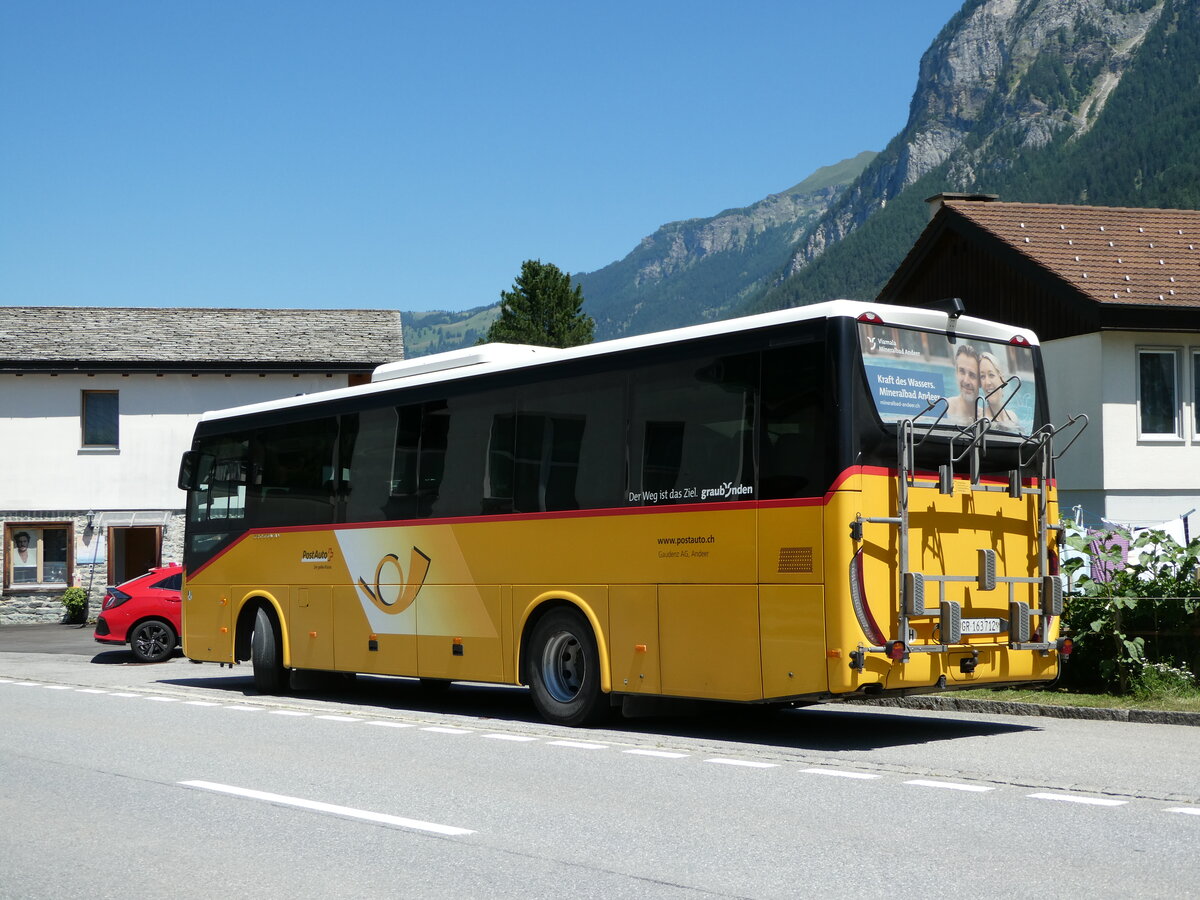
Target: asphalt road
<point>129,780</point>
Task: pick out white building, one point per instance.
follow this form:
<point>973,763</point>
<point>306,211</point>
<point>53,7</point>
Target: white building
<point>1114,294</point>
<point>97,406</point>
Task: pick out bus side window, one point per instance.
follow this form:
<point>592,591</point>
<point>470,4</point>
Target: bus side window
<point>569,442</point>
<point>365,452</point>
<point>793,446</point>
<point>692,429</point>
<point>294,484</point>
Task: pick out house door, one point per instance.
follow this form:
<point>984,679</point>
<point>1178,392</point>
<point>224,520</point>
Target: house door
<point>133,551</point>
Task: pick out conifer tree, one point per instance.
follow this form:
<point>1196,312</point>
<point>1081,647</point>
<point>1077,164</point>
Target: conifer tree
<point>542,309</point>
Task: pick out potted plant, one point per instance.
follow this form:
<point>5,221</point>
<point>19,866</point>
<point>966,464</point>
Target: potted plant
<point>75,601</point>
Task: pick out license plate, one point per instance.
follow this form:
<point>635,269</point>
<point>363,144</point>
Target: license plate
<point>980,626</point>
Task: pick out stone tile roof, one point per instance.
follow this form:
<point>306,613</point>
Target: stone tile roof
<point>1114,255</point>
<point>84,337</point>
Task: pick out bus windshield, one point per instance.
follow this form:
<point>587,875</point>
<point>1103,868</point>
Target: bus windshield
<point>907,370</point>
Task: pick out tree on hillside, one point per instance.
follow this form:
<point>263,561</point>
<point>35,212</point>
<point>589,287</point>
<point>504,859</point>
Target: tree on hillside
<point>542,309</point>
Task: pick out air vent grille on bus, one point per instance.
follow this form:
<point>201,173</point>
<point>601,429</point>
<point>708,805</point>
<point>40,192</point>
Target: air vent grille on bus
<point>795,560</point>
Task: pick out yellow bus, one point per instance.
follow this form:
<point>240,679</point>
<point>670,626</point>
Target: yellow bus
<point>827,502</point>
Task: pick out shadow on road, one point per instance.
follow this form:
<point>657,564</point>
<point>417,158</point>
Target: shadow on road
<point>117,657</point>
<point>828,727</point>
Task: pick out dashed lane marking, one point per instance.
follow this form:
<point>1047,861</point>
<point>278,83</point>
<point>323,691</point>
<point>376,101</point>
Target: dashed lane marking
<point>841,773</point>
<point>348,812</point>
<point>515,738</point>
<point>1075,798</point>
<point>661,754</point>
<point>950,785</point>
<point>744,763</point>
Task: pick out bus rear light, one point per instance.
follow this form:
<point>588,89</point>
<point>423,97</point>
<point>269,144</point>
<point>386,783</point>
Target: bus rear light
<point>1065,647</point>
<point>1019,340</point>
<point>870,317</point>
<point>896,650</point>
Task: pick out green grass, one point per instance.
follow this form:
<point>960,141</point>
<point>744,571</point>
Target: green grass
<point>1063,697</point>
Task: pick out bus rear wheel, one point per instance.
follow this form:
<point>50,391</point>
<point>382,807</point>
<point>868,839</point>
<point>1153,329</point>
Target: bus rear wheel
<point>564,670</point>
<point>266,655</point>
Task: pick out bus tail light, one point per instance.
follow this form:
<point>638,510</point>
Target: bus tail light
<point>871,318</point>
<point>896,650</point>
<point>1065,647</point>
<point>1019,340</point>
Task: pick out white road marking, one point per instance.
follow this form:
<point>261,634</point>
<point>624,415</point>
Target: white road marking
<point>1071,798</point>
<point>58,687</point>
<point>518,738</point>
<point>289,712</point>
<point>579,745</point>
<point>442,729</point>
<point>33,684</point>
<point>163,699</point>
<point>123,694</point>
<point>661,754</point>
<point>339,718</point>
<point>91,691</point>
<point>200,703</point>
<point>330,808</point>
<point>383,724</point>
<point>1186,810</point>
<point>245,708</point>
<point>840,773</point>
<point>950,785</point>
<point>749,764</point>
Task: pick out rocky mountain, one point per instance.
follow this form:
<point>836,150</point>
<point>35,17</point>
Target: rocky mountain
<point>1062,101</point>
<point>1023,98</point>
<point>702,269</point>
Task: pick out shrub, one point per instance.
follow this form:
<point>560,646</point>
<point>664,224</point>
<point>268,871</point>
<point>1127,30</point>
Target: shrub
<point>74,600</point>
<point>1155,594</point>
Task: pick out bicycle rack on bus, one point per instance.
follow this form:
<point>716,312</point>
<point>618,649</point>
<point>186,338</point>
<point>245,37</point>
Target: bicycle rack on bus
<point>1040,447</point>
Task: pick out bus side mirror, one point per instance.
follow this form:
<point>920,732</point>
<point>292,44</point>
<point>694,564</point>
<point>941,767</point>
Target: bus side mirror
<point>189,466</point>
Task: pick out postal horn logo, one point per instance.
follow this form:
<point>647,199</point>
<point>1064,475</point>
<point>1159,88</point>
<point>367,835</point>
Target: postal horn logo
<point>391,591</point>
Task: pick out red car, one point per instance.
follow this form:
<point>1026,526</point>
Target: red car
<point>145,612</point>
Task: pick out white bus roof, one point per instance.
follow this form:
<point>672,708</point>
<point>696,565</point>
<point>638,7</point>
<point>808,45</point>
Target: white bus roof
<point>488,358</point>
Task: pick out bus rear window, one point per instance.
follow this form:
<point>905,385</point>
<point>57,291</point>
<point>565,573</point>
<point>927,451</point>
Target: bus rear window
<point>907,370</point>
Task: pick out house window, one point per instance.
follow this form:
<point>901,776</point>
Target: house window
<point>1196,393</point>
<point>1158,393</point>
<point>100,419</point>
<point>36,555</point>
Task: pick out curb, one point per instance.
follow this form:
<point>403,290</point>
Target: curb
<point>1007,708</point>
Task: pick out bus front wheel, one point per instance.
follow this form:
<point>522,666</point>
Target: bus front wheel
<point>266,655</point>
<point>564,670</point>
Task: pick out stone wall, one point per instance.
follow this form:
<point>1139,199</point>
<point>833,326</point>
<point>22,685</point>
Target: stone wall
<point>41,605</point>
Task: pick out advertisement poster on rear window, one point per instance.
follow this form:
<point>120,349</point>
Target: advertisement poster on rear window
<point>972,378</point>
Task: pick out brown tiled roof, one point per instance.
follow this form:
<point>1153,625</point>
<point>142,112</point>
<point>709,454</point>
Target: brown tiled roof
<point>1114,255</point>
<point>184,338</point>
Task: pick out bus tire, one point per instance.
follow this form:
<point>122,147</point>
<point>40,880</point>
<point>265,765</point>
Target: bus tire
<point>564,670</point>
<point>266,654</point>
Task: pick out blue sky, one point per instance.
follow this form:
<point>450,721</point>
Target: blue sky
<point>410,155</point>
